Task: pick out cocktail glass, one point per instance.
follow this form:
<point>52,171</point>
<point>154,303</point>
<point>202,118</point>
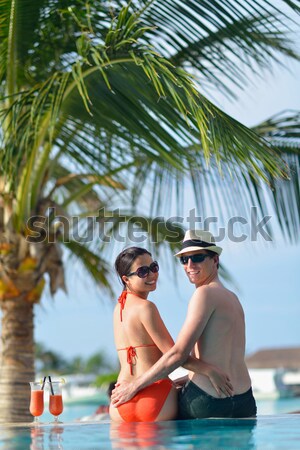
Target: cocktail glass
<point>36,407</point>
<point>55,399</point>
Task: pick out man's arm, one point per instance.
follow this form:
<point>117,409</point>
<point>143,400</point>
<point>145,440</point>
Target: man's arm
<point>218,378</point>
<point>200,309</point>
<point>156,328</point>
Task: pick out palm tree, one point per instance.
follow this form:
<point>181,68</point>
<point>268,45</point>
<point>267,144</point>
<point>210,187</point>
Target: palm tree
<point>90,114</point>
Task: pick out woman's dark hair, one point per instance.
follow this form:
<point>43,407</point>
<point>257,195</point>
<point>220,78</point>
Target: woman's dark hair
<point>126,258</point>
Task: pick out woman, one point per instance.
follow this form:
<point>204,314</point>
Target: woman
<point>141,338</point>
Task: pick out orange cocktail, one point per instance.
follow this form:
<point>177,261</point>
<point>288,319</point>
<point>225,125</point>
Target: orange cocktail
<point>36,406</point>
<point>37,403</point>
<point>55,398</point>
<point>56,404</point>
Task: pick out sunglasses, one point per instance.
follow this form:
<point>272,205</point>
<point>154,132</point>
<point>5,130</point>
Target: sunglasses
<point>194,258</point>
<point>143,272</point>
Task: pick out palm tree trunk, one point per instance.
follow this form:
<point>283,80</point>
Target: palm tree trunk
<point>17,360</point>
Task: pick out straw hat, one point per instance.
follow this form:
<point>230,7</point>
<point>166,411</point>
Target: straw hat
<point>198,240</point>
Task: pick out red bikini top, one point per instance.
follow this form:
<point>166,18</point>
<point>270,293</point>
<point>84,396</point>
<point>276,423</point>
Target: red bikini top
<point>131,352</point>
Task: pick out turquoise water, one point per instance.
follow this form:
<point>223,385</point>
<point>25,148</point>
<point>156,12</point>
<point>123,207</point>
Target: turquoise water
<point>278,406</point>
<point>267,432</point>
<point>273,429</point>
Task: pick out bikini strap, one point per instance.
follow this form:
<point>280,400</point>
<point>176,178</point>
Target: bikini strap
<point>131,354</point>
<point>122,301</point>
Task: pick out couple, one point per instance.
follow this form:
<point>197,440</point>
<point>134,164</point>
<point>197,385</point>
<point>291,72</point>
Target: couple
<point>211,343</point>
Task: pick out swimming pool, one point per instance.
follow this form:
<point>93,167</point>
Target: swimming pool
<point>267,432</point>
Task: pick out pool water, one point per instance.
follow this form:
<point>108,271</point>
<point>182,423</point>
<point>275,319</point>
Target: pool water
<point>263,433</point>
<point>265,406</point>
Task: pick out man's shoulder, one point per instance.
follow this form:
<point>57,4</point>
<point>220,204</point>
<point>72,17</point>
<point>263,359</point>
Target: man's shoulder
<point>202,294</point>
<point>213,291</point>
<point>203,301</point>
<point>210,289</point>
<point>203,290</point>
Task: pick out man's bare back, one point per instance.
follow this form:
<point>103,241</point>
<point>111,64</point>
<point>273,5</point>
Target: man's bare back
<point>222,342</point>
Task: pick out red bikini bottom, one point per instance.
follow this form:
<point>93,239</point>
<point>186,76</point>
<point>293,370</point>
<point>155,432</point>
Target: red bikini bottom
<point>146,405</point>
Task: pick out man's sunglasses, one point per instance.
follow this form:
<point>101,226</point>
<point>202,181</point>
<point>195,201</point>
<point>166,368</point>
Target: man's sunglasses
<point>143,272</point>
<point>194,258</point>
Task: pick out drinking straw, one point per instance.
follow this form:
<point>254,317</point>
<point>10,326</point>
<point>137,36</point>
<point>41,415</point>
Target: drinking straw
<point>51,387</point>
<point>43,385</point>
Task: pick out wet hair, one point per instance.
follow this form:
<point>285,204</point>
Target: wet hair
<point>212,254</point>
<point>126,258</point>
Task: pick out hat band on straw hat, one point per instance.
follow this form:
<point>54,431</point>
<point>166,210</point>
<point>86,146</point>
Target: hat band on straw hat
<point>196,243</point>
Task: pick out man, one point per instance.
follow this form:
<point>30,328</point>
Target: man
<point>214,330</point>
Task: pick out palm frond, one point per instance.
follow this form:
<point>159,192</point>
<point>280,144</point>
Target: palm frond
<point>213,37</point>
<point>220,135</point>
<point>95,266</point>
<point>124,102</point>
<point>294,5</point>
<point>283,132</point>
<point>215,56</point>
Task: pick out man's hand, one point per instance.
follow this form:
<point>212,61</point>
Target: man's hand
<point>122,393</point>
<point>220,381</point>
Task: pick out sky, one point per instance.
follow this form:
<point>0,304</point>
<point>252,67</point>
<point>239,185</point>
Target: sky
<point>266,276</point>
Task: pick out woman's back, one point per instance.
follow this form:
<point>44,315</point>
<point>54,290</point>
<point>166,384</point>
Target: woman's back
<point>137,350</point>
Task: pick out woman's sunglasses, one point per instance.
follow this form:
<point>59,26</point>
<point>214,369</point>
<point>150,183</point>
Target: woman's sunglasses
<point>194,258</point>
<point>143,272</point>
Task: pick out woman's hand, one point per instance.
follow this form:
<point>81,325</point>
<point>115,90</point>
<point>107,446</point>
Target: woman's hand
<point>220,381</point>
<point>122,393</point>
